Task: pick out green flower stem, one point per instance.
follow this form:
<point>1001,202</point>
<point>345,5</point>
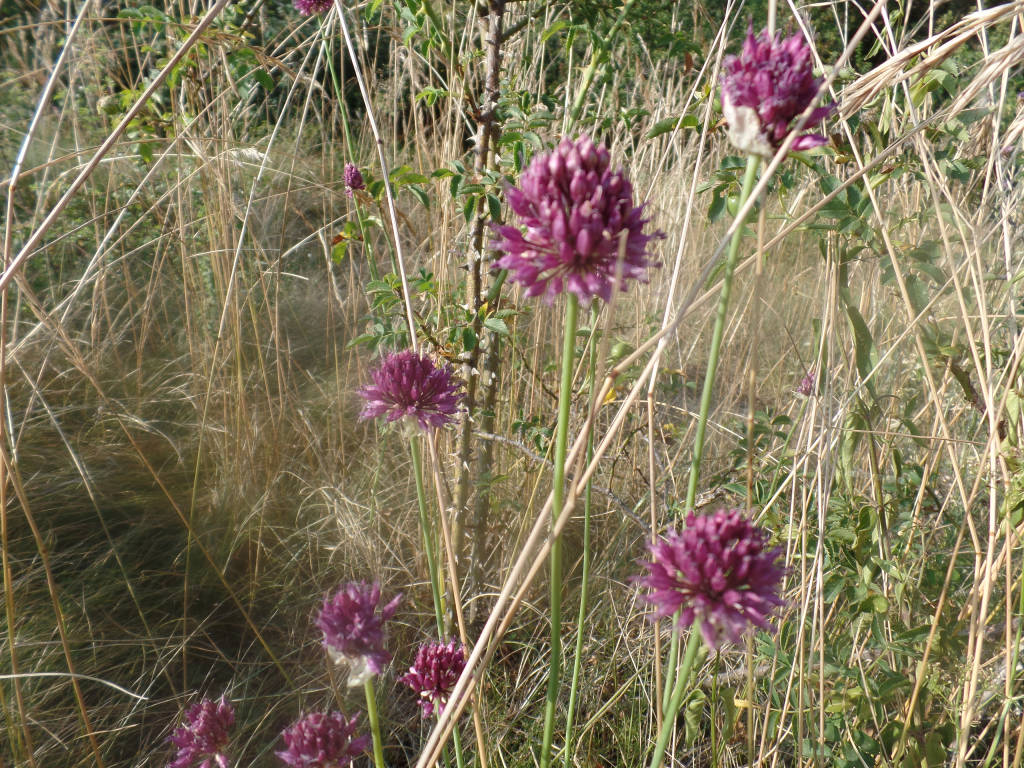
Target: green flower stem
<point>577,658</point>
<point>670,666</point>
<point>677,698</point>
<point>460,761</point>
<point>427,532</point>
<point>371,712</point>
<point>749,177</point>
<point>558,497</point>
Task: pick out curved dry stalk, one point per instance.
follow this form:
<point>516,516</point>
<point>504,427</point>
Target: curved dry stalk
<point>379,142</point>
<point>34,239</point>
<point>945,44</point>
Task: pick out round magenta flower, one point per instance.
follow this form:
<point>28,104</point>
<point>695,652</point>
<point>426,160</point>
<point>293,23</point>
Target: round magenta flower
<point>353,179</point>
<point>766,88</point>
<point>409,384</point>
<point>321,740</point>
<point>575,210</point>
<point>717,572</point>
<point>310,7</point>
<point>807,384</point>
<point>203,735</point>
<point>433,676</point>
<point>354,630</point>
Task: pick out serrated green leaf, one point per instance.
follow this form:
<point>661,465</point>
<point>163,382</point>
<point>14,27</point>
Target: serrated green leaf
<point>494,207</point>
<point>496,325</point>
<point>468,339</point>
<point>421,195</point>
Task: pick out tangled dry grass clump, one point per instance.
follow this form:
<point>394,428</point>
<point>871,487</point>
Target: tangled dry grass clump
<point>195,288</point>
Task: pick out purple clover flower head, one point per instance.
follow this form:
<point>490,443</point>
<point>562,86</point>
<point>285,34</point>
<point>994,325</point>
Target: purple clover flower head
<point>354,630</point>
<point>203,735</point>
<point>310,7</point>
<point>807,383</point>
<point>717,572</point>
<point>766,88</point>
<point>433,676</point>
<point>575,210</point>
<point>321,740</point>
<point>353,178</point>
<point>409,384</point>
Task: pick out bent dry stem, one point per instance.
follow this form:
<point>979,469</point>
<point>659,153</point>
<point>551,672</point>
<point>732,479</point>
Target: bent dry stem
<point>558,498</point>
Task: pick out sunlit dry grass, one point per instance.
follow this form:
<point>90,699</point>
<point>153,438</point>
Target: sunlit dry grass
<point>186,476</point>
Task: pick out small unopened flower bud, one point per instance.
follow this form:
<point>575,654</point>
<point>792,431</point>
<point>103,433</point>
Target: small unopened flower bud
<point>353,179</point>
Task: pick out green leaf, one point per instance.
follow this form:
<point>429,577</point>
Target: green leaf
<point>366,338</point>
<point>693,711</point>
<point>496,325</point>
<point>853,429</point>
<point>554,29</point>
<point>454,184</point>
<point>717,207</point>
<point>430,95</point>
<point>669,124</point>
<point>934,750</point>
<point>420,195</point>
<point>494,207</point>
<point>468,339</point>
<point>264,79</point>
<point>864,345</point>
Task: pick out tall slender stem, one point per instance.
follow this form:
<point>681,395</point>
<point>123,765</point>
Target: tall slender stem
<point>558,497</point>
<point>426,531</point>
<point>585,586</point>
<point>753,164</point>
<point>732,257</point>
<point>668,725</point>
<point>371,712</point>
